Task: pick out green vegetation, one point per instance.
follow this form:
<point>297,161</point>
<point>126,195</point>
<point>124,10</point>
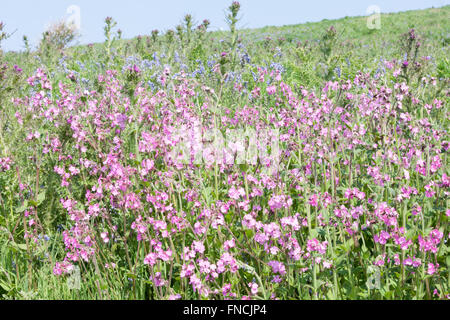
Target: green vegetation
<point>89,179</point>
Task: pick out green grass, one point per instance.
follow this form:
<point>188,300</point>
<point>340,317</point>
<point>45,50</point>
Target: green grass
<point>310,55</point>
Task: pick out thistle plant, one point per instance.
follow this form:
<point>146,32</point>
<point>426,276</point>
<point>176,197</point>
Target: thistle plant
<point>155,35</point>
<point>412,65</point>
<point>180,33</point>
<point>109,37</point>
<point>188,24</point>
<point>202,29</point>
<point>3,35</point>
<point>26,44</point>
<point>232,19</point>
<point>170,35</point>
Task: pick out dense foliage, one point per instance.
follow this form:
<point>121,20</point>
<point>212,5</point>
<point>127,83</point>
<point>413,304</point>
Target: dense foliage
<point>301,162</point>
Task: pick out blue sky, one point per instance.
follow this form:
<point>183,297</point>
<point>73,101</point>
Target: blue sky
<point>138,17</point>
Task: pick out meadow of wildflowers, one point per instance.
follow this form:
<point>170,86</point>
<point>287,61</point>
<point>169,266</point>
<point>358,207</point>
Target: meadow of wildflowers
<point>245,164</point>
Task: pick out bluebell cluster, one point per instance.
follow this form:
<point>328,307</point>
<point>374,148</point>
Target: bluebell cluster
<point>211,63</point>
<point>337,70</point>
<point>81,65</point>
<point>233,76</point>
<point>200,70</point>
<point>176,57</point>
<point>278,53</point>
<point>277,66</point>
<point>45,237</point>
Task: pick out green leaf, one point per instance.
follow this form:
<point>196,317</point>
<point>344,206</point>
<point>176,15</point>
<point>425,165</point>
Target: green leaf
<point>131,275</point>
<point>249,233</point>
<point>22,246</point>
<point>17,246</point>
<point>33,203</point>
<point>314,233</point>
<point>23,207</point>
<point>5,286</point>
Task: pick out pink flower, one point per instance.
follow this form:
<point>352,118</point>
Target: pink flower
<point>104,236</point>
<point>407,262</point>
<point>253,288</point>
<point>379,261</point>
<point>432,268</point>
<point>150,259</point>
<point>228,244</point>
<point>277,267</point>
<point>279,201</point>
<point>62,267</point>
<point>5,164</point>
<point>235,193</point>
<point>271,90</point>
<point>197,246</point>
<point>416,210</point>
<point>416,262</point>
<point>313,200</point>
<point>226,289</point>
<point>382,238</point>
<point>157,280</point>
<point>396,260</point>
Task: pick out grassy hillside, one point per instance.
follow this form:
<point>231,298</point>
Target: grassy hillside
<point>432,23</point>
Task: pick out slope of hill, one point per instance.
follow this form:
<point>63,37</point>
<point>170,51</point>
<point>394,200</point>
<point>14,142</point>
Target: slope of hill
<point>295,162</point>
